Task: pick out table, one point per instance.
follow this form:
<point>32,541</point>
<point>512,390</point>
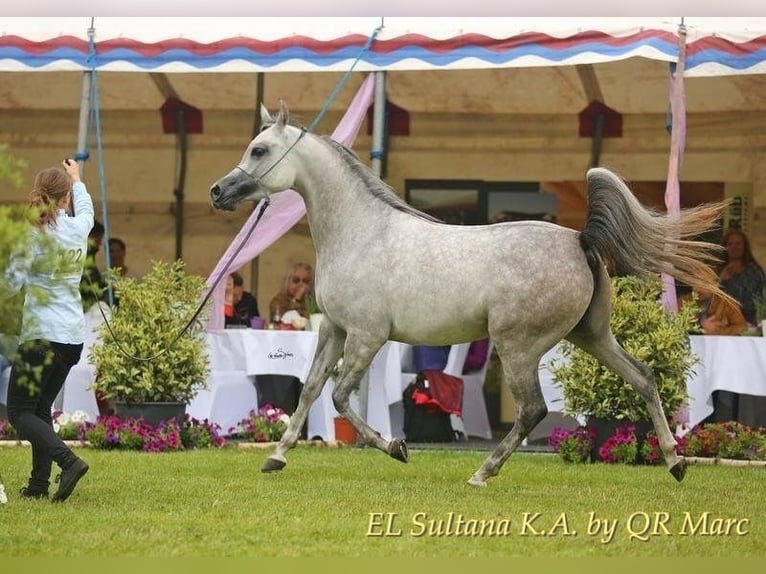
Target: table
<point>237,355</point>
<point>727,363</point>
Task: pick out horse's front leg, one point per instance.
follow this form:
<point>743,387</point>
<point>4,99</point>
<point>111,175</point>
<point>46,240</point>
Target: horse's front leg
<point>329,349</point>
<point>357,357</point>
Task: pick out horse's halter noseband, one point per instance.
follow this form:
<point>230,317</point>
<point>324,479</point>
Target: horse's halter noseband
<point>258,179</point>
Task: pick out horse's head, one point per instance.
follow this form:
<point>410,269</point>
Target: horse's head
<point>265,166</point>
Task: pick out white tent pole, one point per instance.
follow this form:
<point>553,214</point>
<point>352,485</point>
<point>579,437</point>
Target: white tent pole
<point>85,109</point>
<point>378,123</point>
<point>84,127</point>
<point>376,155</point>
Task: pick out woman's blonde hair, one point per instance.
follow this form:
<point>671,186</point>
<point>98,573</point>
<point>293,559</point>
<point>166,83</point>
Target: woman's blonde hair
<point>50,187</point>
<point>291,272</point>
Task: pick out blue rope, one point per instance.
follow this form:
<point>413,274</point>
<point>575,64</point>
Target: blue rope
<point>95,109</point>
<point>344,79</point>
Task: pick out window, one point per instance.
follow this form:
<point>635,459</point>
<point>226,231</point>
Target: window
<point>476,202</point>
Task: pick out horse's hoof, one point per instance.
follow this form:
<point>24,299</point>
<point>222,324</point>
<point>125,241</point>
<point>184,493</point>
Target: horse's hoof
<point>678,470</point>
<point>398,449</point>
<point>476,481</point>
<point>273,465</point>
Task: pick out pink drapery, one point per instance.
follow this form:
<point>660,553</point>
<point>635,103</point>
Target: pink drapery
<point>677,145</point>
<point>285,210</point>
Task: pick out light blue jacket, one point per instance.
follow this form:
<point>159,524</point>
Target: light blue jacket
<point>58,317</point>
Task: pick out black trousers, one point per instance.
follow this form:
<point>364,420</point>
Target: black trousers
<point>37,375</point>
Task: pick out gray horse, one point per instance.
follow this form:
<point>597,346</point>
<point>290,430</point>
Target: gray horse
<point>385,270</point>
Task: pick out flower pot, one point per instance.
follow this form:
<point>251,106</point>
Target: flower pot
<point>344,431</point>
<point>152,413</point>
<point>605,428</point>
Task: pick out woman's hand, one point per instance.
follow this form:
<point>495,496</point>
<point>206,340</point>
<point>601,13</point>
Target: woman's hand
<point>300,291</point>
<point>72,168</point>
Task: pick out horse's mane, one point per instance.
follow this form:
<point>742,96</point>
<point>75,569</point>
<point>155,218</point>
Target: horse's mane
<point>376,187</point>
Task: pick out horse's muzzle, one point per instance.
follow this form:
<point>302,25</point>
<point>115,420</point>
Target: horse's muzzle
<point>217,199</point>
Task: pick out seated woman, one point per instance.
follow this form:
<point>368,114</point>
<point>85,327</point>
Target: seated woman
<point>741,276</point>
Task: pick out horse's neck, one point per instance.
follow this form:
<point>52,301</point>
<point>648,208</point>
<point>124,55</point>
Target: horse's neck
<point>338,204</point>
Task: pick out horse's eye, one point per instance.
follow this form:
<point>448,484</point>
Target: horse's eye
<point>258,152</point>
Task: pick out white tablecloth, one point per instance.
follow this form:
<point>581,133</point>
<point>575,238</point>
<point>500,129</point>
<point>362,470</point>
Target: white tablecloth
<point>262,352</point>
<point>732,363</point>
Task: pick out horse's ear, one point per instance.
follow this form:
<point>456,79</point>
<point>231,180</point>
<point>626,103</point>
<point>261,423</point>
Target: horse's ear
<point>284,113</point>
<point>266,116</point>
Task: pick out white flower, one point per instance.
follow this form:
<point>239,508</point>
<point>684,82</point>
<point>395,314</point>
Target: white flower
<point>285,418</point>
<point>63,419</point>
<point>80,417</point>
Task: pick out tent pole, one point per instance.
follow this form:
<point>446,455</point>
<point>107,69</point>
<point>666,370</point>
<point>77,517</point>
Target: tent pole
<point>259,80</point>
<point>178,192</point>
<point>376,164</point>
<point>84,126</point>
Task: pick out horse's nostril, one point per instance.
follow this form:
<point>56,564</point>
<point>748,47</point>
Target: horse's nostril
<point>215,191</point>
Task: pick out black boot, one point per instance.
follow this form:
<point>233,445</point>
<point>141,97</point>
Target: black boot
<point>68,479</point>
<point>27,492</point>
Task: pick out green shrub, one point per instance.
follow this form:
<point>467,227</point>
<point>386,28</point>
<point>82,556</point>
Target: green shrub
<point>152,312</point>
<point>656,337</point>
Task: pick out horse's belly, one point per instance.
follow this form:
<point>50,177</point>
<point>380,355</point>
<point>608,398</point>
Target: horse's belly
<point>428,328</point>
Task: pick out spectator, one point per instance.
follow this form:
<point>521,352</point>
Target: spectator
<point>117,251</point>
<point>741,276</point>
<point>243,306</point>
<point>92,284</point>
<point>298,285</point>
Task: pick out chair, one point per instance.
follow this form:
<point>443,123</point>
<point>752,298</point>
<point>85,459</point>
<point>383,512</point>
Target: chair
<point>454,366</point>
<point>475,417</point>
<point>229,398</point>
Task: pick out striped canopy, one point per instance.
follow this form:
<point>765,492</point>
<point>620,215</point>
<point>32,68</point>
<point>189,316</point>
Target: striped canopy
<point>715,46</point>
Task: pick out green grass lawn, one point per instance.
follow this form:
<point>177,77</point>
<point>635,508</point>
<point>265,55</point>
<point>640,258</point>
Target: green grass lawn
<point>327,502</point>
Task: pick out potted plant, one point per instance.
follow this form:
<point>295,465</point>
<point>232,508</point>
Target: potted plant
<point>760,310</point>
<point>655,336</point>
<point>316,313</point>
<point>142,364</point>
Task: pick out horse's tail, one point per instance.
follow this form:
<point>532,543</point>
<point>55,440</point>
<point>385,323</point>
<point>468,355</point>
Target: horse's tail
<point>635,240</point>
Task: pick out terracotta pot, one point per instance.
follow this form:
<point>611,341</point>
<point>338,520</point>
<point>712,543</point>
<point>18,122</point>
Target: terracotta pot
<point>344,431</point>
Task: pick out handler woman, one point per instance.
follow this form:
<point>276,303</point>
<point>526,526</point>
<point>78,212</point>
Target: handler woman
<point>53,326</point>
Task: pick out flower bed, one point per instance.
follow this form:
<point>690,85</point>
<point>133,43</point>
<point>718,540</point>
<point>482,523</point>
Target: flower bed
<point>111,432</point>
<point>729,440</point>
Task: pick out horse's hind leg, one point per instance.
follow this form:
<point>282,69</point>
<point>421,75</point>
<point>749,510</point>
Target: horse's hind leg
<point>606,349</point>
<point>521,376</point>
<point>329,350</point>
<point>357,356</point>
